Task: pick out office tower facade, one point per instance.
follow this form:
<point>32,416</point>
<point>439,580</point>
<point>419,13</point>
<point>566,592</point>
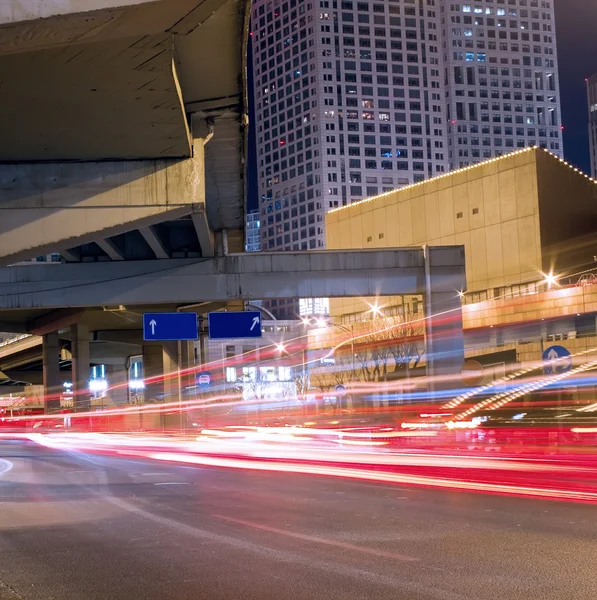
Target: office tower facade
<point>253,239</point>
<point>502,87</point>
<point>592,100</point>
<point>354,99</point>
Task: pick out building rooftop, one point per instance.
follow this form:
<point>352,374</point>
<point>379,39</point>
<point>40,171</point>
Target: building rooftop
<point>471,169</point>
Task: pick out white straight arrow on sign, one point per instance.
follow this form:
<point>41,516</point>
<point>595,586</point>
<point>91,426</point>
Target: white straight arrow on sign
<point>255,322</point>
<point>152,324</point>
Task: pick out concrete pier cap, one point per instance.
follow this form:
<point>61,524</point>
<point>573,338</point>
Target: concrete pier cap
<point>15,11</point>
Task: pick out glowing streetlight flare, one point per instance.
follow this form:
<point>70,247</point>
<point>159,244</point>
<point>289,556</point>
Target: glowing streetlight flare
<point>550,279</point>
<point>375,309</point>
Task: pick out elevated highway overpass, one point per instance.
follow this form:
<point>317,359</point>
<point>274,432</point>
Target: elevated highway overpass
<point>104,302</point>
<point>123,149</point>
<point>123,128</point>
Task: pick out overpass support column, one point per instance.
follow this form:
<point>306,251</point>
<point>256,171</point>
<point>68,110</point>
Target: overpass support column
<point>118,383</point>
<point>170,370</point>
<point>160,362</point>
<point>81,366</point>
<point>187,362</point>
<point>51,372</point>
<point>444,336</point>
<point>153,368</point>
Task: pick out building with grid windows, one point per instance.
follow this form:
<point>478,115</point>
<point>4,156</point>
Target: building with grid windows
<point>354,99</point>
<point>592,99</point>
<point>502,87</point>
<point>253,239</point>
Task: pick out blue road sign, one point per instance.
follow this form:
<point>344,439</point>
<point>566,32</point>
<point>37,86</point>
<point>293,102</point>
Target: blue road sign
<point>170,326</point>
<point>556,360</point>
<point>234,325</point>
<point>203,379</point>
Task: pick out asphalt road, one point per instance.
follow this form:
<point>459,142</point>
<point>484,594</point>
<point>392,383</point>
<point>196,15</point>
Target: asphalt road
<point>78,527</point>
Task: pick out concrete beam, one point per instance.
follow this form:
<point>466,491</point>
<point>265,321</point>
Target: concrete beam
<point>204,233</point>
<point>252,276</point>
<point>32,377</point>
<point>53,207</point>
<point>14,11</point>
<point>19,345</point>
<point>54,321</point>
<point>154,242</point>
<point>111,249</point>
<point>70,255</point>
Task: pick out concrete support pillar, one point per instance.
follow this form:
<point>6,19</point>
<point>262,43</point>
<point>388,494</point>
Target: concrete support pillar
<point>171,371</point>
<point>153,368</point>
<point>444,336</point>
<point>187,362</point>
<point>117,376</point>
<point>81,366</point>
<point>235,243</point>
<point>160,363</point>
<point>51,372</point>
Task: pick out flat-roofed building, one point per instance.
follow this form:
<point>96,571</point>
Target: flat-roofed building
<point>519,217</point>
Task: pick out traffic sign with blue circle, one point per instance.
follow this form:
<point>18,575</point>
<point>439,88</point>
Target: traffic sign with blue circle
<point>556,360</point>
<point>203,379</point>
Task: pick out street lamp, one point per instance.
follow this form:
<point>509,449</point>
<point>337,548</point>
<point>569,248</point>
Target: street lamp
<point>375,309</point>
<point>550,279</point>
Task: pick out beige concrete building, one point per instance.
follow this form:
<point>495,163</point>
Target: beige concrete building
<point>518,216</point>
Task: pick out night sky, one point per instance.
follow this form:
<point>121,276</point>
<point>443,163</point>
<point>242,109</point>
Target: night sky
<point>576,22</point>
<point>577,49</point>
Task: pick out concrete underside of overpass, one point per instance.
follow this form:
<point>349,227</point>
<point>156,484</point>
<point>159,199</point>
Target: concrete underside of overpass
<point>123,128</point>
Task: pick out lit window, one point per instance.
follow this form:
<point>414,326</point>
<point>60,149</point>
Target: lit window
<point>249,373</point>
<point>284,374</point>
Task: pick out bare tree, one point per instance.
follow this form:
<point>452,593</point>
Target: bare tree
<point>394,345</point>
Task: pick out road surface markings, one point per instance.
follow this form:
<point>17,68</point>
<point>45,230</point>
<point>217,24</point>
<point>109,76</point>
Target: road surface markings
<point>318,540</point>
<point>5,466</point>
<point>172,483</point>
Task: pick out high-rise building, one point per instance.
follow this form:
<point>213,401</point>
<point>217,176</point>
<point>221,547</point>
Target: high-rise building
<point>253,240</point>
<point>592,98</point>
<point>354,99</point>
<point>501,78</point>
